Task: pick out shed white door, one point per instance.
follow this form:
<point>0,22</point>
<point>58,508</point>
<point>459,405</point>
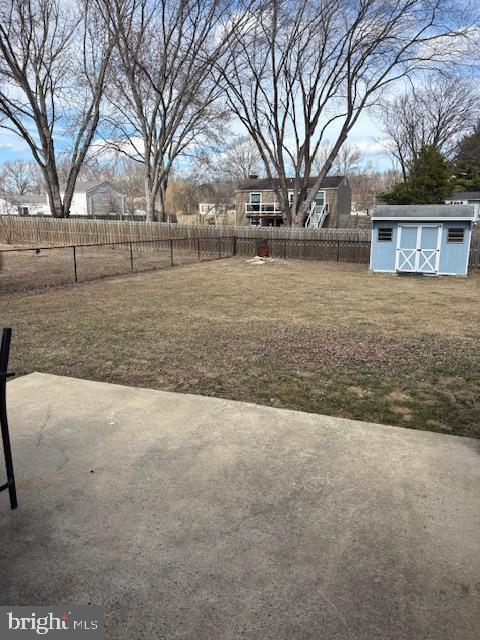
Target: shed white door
<point>418,248</point>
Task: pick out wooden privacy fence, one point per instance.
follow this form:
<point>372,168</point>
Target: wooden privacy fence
<point>474,259</point>
<point>45,231</point>
<point>346,245</point>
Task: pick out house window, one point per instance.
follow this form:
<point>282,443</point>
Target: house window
<point>385,234</point>
<point>455,235</point>
<point>320,199</point>
<point>255,200</point>
<point>254,222</point>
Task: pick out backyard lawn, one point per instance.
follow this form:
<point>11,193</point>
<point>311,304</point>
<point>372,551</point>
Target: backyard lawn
<point>318,337</point>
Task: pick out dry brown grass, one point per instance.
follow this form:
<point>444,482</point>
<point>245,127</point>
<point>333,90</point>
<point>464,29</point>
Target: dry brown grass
<point>312,336</point>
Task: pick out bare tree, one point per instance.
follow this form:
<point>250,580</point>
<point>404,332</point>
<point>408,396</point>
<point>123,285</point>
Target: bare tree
<point>345,163</point>
<point>438,113</point>
<point>53,62</point>
<point>307,69</point>
<point>347,160</point>
<point>239,160</point>
<point>164,102</point>
<point>367,184</point>
<point>19,177</point>
<point>131,179</point>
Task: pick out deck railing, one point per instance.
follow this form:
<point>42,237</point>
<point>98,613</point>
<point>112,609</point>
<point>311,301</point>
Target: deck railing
<point>252,208</point>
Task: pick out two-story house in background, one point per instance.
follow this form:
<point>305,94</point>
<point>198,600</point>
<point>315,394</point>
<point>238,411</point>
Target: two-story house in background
<point>256,202</point>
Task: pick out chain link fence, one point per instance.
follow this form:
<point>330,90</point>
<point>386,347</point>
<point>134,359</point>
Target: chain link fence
<point>33,268</point>
<point>38,267</point>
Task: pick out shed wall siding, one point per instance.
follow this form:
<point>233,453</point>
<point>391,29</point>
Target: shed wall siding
<point>453,257</point>
<point>104,200</point>
<point>383,254</point>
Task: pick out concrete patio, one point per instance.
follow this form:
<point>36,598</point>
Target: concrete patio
<point>200,518</point>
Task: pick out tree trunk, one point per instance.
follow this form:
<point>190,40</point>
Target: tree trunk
<point>312,192</point>
<point>162,214</point>
<point>149,200</point>
<point>285,209</point>
<point>67,197</point>
<point>53,190</point>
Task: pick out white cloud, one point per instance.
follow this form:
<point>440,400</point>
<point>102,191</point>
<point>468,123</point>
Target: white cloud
<point>369,147</point>
<point>12,143</point>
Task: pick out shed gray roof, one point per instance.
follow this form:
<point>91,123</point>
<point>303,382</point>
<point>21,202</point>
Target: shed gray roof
<point>86,185</point>
<point>465,195</point>
<point>404,211</point>
<point>267,184</point>
<point>82,186</point>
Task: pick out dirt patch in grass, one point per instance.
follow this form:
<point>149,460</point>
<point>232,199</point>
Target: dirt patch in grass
<point>309,336</point>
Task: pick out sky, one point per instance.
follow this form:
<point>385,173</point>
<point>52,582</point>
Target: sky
<point>365,136</point>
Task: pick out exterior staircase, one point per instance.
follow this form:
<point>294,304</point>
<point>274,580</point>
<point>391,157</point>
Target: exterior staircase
<point>316,217</point>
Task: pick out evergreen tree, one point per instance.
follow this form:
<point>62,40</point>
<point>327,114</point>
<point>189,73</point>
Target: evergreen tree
<point>427,183</point>
<point>467,162</point>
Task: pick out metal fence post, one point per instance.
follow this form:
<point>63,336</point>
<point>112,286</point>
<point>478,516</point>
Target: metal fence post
<point>338,250</point>
<point>171,251</point>
<point>4,353</point>
<point>75,262</point>
<point>219,248</point>
<point>131,256</point>
<point>198,249</point>
<point>285,248</point>
<point>234,246</point>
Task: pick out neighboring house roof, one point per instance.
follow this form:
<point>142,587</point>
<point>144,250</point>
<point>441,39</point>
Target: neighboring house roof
<point>82,186</point>
<point>28,198</point>
<point>403,211</point>
<point>269,184</point>
<point>465,195</point>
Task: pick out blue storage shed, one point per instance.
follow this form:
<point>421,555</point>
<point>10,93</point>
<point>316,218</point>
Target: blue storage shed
<point>425,239</point>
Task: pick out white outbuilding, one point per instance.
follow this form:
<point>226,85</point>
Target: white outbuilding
<point>90,198</point>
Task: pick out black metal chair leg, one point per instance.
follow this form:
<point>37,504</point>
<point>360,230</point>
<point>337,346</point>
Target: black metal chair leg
<point>7,449</point>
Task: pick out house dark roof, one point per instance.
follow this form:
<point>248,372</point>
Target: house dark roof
<point>29,198</point>
<point>404,211</point>
<point>268,184</point>
<point>465,195</point>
